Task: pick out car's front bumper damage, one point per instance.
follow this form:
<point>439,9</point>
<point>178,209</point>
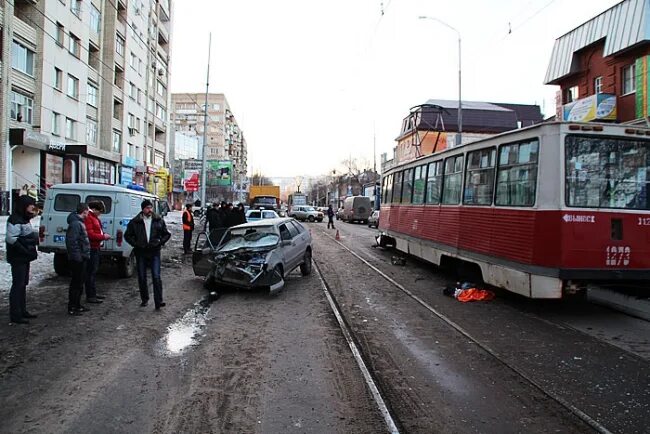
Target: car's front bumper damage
<point>247,270</point>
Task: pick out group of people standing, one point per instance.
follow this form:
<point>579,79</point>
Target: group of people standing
<point>222,215</point>
<point>146,232</point>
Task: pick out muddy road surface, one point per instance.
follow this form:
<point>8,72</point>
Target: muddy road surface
<point>246,362</point>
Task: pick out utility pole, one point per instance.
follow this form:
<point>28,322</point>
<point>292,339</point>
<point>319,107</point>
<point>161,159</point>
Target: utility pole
<point>204,167</point>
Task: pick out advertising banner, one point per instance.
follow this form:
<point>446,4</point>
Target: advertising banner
<point>191,180</point>
<point>219,173</point>
<point>601,106</point>
<point>642,87</point>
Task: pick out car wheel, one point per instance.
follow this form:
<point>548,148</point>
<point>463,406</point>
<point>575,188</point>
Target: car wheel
<point>305,267</point>
<point>61,264</point>
<point>126,266</point>
<point>311,219</point>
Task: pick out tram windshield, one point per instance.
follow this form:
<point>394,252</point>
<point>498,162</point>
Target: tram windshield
<point>606,172</point>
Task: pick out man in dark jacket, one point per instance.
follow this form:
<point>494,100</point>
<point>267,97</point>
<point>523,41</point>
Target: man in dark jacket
<point>147,233</point>
<point>330,217</point>
<point>78,246</point>
<point>213,218</point>
<point>21,239</point>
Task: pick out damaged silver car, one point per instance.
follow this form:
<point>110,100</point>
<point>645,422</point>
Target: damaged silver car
<point>253,255</point>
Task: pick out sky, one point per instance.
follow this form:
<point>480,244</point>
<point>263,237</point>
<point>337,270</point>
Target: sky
<point>312,83</point>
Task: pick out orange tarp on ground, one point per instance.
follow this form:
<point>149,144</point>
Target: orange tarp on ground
<point>474,294</point>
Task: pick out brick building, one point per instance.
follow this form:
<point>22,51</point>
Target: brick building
<point>602,66</point>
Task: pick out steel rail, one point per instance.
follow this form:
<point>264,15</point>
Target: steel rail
<point>347,333</point>
<point>564,403</point>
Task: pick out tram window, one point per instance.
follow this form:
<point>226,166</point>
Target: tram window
<point>517,174</point>
<point>607,172</point>
<point>397,187</point>
<point>419,184</point>
<point>434,182</point>
<point>479,177</point>
<point>389,189</point>
<point>407,190</point>
<point>452,180</point>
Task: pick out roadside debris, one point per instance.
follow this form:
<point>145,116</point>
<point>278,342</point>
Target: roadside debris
<point>398,260</point>
<point>468,291</point>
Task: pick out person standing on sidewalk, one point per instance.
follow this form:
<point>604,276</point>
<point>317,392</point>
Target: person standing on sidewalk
<point>78,246</point>
<point>330,217</point>
<point>21,239</point>
<point>188,228</point>
<point>96,236</point>
<point>147,233</point>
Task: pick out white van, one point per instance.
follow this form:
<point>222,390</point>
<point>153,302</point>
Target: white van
<point>357,209</point>
<point>122,204</point>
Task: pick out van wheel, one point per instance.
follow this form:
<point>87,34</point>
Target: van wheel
<point>61,264</point>
<point>126,266</point>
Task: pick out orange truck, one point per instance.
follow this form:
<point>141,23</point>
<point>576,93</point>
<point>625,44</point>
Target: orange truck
<point>264,196</point>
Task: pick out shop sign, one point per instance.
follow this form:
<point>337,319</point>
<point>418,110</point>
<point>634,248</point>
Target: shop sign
<point>126,175</point>
<point>31,138</point>
<point>219,173</point>
<point>601,106</point>
<point>140,169</point>
<point>56,146</point>
<point>99,172</point>
<point>191,180</point>
<point>129,161</point>
<point>151,170</point>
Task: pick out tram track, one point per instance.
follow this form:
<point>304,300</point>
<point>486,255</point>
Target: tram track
<point>575,411</point>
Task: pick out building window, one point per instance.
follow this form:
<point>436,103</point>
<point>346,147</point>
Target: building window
<point>117,141</point>
<point>133,61</point>
<point>93,91</point>
<point>571,94</point>
<point>22,107</point>
<point>598,85</point>
<point>160,89</point>
<point>161,112</point>
<point>69,128</point>
<point>139,96</point>
<point>91,132</point>
<point>629,85</point>
<point>60,34</point>
<point>73,87</point>
<point>130,120</point>
<point>119,45</point>
<point>95,19</point>
<point>55,123</point>
<point>75,7</point>
<point>133,91</point>
<point>58,79</point>
<point>22,59</point>
<point>74,45</point>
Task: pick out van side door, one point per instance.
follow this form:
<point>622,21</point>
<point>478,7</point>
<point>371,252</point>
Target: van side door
<point>108,216</point>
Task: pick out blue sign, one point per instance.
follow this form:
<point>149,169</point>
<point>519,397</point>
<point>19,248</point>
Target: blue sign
<point>126,176</point>
<point>129,161</point>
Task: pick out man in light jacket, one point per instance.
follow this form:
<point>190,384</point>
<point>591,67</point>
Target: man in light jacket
<point>78,247</point>
<point>21,239</point>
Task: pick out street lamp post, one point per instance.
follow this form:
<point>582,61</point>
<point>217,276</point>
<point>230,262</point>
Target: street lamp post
<point>459,136</point>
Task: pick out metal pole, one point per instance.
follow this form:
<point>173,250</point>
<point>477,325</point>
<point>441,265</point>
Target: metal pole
<point>205,128</point>
<point>460,98</point>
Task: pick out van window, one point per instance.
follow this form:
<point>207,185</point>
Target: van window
<point>108,202</point>
<point>66,202</point>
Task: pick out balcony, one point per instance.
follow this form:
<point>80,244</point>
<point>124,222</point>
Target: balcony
<point>25,30</point>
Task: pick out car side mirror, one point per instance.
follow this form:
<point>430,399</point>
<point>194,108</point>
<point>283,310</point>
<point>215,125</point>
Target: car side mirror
<point>285,243</point>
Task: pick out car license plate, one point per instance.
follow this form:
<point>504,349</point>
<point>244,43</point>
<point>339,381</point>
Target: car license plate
<point>59,238</point>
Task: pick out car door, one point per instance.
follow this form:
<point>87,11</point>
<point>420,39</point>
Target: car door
<point>290,249</point>
<point>303,239</point>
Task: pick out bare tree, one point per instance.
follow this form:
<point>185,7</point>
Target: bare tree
<point>259,179</point>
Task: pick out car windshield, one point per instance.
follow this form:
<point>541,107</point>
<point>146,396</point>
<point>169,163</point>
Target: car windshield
<point>249,238</point>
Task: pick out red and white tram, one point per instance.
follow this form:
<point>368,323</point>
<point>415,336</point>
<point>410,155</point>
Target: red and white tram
<point>540,210</point>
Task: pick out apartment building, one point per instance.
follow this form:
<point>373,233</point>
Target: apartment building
<point>225,140</point>
<point>86,93</point>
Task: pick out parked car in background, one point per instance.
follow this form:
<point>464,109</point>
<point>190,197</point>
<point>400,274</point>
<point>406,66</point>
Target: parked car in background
<point>357,209</point>
<point>373,220</point>
<point>339,214</point>
<point>253,215</point>
<point>306,213</point>
<point>253,255</point>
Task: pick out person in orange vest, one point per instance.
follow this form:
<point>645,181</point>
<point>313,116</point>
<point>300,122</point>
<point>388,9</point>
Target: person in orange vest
<point>188,227</point>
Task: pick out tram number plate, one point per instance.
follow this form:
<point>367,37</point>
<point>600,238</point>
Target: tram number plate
<point>616,256</point>
<point>644,221</point>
